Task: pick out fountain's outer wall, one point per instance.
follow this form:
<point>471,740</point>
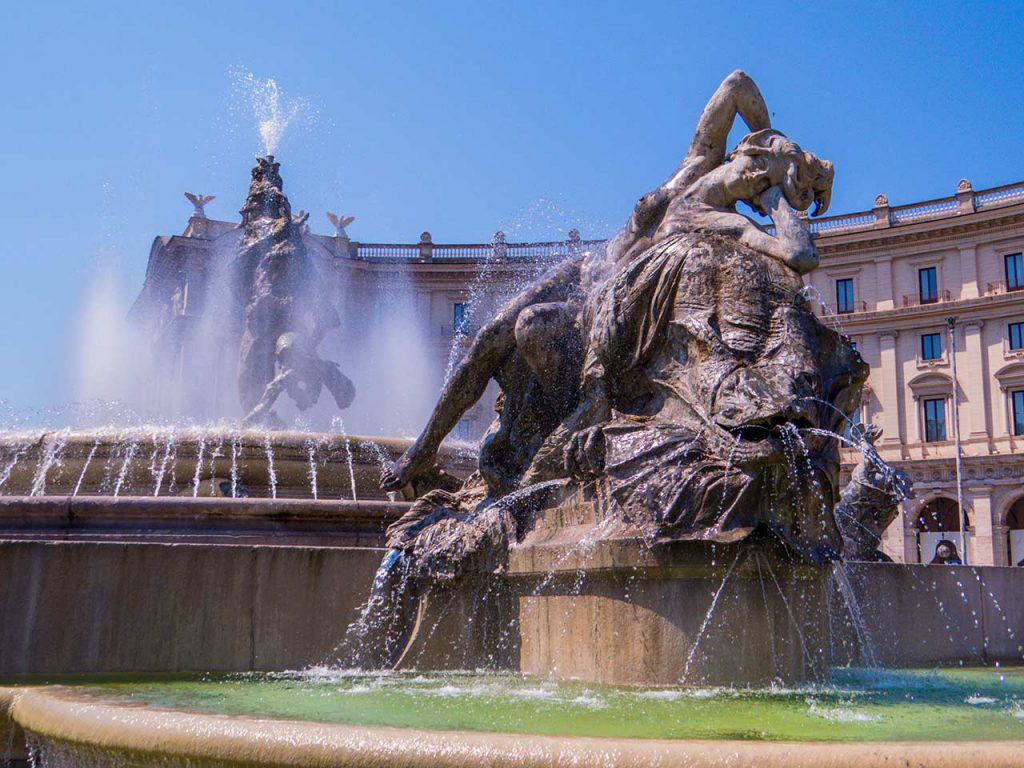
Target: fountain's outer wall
<point>96,608</point>
<point>611,610</point>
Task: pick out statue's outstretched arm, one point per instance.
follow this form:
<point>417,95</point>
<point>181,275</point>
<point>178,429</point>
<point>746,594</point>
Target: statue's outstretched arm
<point>490,349</point>
<point>737,95</point>
<point>338,384</point>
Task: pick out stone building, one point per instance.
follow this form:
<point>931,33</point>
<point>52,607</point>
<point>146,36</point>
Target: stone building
<point>891,278</point>
<point>894,277</point>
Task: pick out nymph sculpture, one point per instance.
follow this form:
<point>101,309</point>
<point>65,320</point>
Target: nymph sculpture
<point>680,371</point>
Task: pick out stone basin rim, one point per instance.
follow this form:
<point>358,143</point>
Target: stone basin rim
<point>223,740</point>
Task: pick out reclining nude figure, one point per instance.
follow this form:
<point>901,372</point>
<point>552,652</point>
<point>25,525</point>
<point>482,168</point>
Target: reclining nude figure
<point>567,374</point>
<point>533,347</point>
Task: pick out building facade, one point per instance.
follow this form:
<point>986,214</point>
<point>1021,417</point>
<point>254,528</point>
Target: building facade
<point>921,289</point>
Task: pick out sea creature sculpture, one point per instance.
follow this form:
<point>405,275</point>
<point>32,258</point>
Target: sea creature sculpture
<point>871,500</point>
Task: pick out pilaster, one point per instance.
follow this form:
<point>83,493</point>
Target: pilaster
<point>969,272</point>
<point>887,388</point>
<point>979,500</point>
<point>884,298</point>
<point>972,379</point>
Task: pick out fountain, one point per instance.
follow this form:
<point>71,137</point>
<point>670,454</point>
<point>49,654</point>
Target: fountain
<point>652,560</point>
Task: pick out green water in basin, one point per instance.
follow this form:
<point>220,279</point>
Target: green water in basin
<point>856,705</point>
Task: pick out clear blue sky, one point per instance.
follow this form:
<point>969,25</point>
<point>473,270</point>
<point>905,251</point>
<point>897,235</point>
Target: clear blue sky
<point>457,117</point>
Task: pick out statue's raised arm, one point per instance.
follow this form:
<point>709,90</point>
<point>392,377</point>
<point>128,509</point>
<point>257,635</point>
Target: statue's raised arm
<point>737,95</point>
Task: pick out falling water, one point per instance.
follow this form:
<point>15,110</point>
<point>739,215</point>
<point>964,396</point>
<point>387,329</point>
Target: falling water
<point>268,449</point>
<point>842,580</point>
<point>337,425</point>
<point>812,293</point>
<point>131,448</point>
<point>311,454</point>
<point>198,476</point>
<point>54,444</point>
<point>761,559</point>
<point>383,461</point>
<point>169,448</point>
<point>740,556</point>
<point>85,466</point>
<point>236,450</point>
<point>5,473</point>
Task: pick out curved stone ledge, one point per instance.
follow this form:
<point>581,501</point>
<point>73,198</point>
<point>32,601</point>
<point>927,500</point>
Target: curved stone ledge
<point>75,725</point>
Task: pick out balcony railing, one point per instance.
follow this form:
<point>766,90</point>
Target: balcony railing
<point>917,300</point>
<point>853,308</point>
<point>998,287</point>
<point>966,200</point>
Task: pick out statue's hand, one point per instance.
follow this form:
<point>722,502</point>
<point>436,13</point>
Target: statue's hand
<point>401,472</point>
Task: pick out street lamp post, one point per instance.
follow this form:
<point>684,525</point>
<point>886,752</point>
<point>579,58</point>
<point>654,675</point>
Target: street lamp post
<point>951,323</point>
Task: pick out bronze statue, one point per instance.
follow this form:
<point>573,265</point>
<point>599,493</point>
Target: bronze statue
<point>681,367</point>
<point>283,305</point>
<point>870,501</point>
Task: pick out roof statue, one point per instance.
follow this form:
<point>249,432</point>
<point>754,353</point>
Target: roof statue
<point>340,222</point>
<point>199,203</point>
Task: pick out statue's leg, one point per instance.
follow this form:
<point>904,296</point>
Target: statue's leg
<point>338,384</point>
<point>261,413</point>
<point>256,370</point>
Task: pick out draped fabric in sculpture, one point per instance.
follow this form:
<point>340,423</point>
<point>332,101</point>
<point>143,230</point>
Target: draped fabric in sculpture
<point>681,371</point>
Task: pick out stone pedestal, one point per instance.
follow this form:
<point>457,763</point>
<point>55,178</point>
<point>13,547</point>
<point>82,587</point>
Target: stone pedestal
<point>587,599</point>
<point>607,608</point>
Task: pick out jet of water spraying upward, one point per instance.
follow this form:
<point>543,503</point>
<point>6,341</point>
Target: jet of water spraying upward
<point>273,110</point>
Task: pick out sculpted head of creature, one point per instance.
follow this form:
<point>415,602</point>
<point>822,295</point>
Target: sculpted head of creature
<point>768,158</point>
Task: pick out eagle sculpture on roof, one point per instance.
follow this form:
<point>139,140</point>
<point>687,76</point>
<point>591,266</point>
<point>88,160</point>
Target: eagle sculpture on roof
<point>199,203</point>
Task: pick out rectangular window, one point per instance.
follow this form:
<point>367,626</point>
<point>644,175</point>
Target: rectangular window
<point>1016,335</point>
<point>844,295</point>
<point>460,317</point>
<point>1014,271</point>
<point>928,282</point>
<point>931,346</point>
<point>935,420</point>
<point>1018,412</point>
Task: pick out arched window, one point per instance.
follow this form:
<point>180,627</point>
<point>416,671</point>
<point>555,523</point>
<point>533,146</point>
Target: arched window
<point>1015,522</point>
<point>938,519</point>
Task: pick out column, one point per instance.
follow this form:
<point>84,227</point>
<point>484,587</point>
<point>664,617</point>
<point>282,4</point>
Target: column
<point>886,388</point>
<point>979,501</point>
<point>1001,545</point>
<point>894,539</point>
<point>971,372</point>
<point>969,288</point>
<point>883,278</point>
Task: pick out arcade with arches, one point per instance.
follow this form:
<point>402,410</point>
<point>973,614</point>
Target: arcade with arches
<point>938,519</point>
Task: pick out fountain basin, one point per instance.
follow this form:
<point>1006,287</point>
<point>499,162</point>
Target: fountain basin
<point>862,719</point>
<point>201,520</point>
<point>164,461</point>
